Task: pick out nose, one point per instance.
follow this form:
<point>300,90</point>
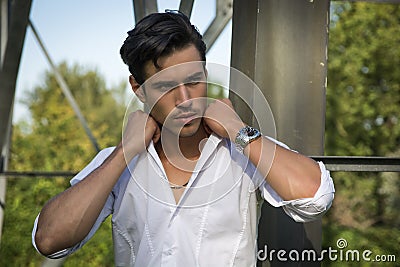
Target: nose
<point>182,95</point>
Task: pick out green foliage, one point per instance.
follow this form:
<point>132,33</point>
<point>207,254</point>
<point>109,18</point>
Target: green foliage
<point>362,119</point>
<point>382,241</point>
<point>216,91</point>
<point>363,93</point>
<point>55,140</point>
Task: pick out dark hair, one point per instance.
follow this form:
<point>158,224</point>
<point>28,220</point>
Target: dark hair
<point>158,35</point>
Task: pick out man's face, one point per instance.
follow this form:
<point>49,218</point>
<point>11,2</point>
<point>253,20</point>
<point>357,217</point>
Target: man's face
<point>176,94</point>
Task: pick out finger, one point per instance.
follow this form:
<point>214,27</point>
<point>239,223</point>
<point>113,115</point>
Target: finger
<point>206,127</point>
<point>157,134</point>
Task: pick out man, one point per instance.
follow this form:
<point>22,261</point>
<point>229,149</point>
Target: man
<point>181,185</point>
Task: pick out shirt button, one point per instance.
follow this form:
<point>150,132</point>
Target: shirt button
<point>169,252</point>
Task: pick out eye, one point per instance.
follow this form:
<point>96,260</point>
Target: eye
<point>192,83</point>
<point>164,87</point>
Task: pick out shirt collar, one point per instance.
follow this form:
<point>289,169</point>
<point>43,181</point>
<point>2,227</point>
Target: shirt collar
<point>209,147</point>
<point>208,151</point>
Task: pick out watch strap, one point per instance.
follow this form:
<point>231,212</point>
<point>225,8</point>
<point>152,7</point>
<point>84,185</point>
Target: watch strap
<point>245,136</point>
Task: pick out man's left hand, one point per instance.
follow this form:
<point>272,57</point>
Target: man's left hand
<point>221,118</point>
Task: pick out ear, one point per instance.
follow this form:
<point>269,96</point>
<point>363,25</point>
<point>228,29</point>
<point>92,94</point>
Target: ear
<point>137,89</point>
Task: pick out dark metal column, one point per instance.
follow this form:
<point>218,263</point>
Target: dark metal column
<point>142,8</point>
<point>13,21</point>
<point>282,46</point>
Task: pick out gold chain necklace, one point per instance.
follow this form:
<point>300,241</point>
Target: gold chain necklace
<point>178,186</point>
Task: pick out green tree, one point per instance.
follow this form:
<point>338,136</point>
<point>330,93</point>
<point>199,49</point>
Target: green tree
<point>363,93</point>
<point>54,140</point>
<point>362,119</point>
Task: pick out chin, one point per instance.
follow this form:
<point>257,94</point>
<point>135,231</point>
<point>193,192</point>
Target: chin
<point>186,130</point>
<point>187,133</point>
<point>190,129</point>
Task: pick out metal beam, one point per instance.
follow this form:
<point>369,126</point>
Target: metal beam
<point>18,22</point>
<point>373,1</point>
<point>4,10</point>
<point>53,262</point>
<point>36,174</point>
<point>332,163</point>
<point>282,46</point>
<point>360,164</point>
<point>4,17</point>
<point>13,22</point>
<point>223,14</point>
<point>142,8</point>
<point>65,89</point>
<point>186,7</point>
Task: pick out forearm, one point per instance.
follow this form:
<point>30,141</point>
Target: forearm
<point>67,219</point>
<point>290,174</point>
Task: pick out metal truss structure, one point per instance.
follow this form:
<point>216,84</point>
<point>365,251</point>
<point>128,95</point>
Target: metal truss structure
<point>259,31</point>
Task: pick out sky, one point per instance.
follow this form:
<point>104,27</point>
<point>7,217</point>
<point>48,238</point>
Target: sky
<point>90,33</point>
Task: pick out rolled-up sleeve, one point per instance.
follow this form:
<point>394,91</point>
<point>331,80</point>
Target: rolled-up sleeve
<point>106,211</point>
<point>305,209</point>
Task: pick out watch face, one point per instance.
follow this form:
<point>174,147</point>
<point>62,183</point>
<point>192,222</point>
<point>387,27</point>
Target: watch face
<point>246,135</point>
<point>251,131</point>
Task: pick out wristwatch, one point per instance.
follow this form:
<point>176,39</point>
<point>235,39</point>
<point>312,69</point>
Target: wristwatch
<point>245,136</point>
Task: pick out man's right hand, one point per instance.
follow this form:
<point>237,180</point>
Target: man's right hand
<point>83,202</point>
<point>141,128</point>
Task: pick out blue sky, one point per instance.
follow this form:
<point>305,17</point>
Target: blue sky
<point>90,33</point>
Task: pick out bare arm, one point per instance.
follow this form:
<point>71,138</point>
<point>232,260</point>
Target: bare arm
<point>67,218</point>
<point>290,174</point>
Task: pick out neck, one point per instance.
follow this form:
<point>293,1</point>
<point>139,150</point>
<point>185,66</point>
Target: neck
<point>189,146</point>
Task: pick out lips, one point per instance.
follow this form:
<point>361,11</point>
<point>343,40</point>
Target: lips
<point>186,117</point>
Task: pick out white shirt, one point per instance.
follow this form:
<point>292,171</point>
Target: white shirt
<point>215,221</point>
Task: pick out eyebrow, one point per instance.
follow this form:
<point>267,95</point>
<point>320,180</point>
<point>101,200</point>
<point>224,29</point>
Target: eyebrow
<point>160,84</point>
<point>197,75</point>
